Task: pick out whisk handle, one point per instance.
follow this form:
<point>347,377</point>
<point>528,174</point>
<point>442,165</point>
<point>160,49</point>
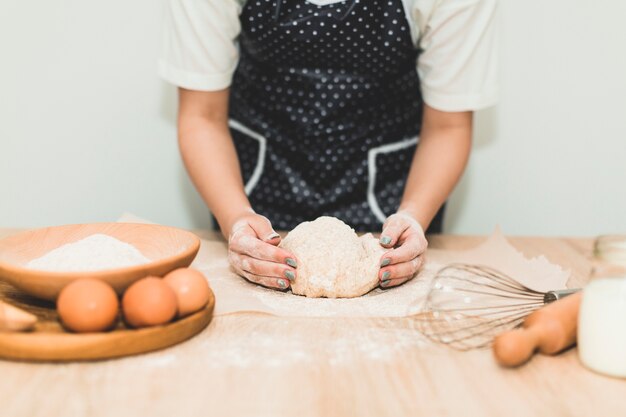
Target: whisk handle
<point>549,330</point>
<point>555,295</point>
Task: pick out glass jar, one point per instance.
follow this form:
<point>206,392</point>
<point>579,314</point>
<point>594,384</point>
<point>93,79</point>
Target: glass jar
<point>609,256</point>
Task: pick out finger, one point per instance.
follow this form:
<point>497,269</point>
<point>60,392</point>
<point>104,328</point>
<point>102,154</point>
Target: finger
<point>264,230</point>
<point>255,248</point>
<point>392,230</point>
<point>414,245</point>
<point>262,268</point>
<point>269,282</point>
<point>396,282</point>
<point>401,270</point>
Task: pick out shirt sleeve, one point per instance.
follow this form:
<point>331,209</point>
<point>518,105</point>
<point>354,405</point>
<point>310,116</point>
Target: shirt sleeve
<point>199,50</point>
<point>458,64</point>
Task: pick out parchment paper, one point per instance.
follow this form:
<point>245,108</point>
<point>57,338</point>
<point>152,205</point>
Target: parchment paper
<point>235,294</point>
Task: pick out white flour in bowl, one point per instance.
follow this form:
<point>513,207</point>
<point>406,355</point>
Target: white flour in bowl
<point>95,252</point>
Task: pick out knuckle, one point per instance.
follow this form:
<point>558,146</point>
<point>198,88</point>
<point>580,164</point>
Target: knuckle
<point>249,276</point>
<point>272,269</point>
<point>393,217</point>
<point>419,248</point>
<point>267,269</point>
<point>274,252</point>
<point>249,265</point>
<point>233,258</point>
<point>390,225</point>
<point>270,283</point>
<point>280,270</point>
<point>416,242</point>
<point>245,243</point>
<point>399,281</point>
<point>264,281</point>
<point>282,254</point>
<point>238,229</point>
<point>401,254</point>
<point>233,241</point>
<point>405,279</point>
<point>394,229</point>
<point>261,222</point>
<point>415,264</point>
<point>254,275</point>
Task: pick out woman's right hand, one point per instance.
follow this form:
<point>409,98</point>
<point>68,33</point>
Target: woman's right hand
<point>211,159</point>
<point>253,252</point>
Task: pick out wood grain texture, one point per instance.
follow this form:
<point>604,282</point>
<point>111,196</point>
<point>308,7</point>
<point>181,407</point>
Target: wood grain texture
<point>167,248</point>
<point>254,364</point>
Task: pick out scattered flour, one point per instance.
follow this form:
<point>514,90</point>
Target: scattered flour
<point>95,252</point>
<point>261,344</point>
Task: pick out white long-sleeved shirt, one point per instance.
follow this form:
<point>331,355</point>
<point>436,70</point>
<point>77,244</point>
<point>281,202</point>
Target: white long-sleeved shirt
<point>457,66</point>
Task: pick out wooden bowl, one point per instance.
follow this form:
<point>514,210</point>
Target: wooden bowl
<point>167,248</point>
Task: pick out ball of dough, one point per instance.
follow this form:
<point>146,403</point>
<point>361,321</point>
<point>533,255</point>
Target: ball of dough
<point>333,261</point>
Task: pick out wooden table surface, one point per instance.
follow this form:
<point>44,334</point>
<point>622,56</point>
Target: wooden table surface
<point>260,365</point>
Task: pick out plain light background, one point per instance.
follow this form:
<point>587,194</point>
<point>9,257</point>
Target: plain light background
<point>87,129</point>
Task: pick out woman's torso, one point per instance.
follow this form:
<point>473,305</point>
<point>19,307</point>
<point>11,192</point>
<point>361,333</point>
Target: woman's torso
<point>325,109</point>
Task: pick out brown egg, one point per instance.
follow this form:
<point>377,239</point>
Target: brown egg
<point>191,288</point>
<point>149,302</point>
<point>88,305</point>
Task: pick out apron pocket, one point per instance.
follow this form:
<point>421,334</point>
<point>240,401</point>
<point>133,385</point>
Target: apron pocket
<point>251,149</point>
<point>388,167</point>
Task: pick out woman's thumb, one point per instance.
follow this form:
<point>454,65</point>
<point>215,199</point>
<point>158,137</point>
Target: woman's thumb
<point>392,230</point>
<point>264,231</point>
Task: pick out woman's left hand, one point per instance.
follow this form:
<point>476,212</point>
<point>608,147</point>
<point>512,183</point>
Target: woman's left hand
<point>405,237</point>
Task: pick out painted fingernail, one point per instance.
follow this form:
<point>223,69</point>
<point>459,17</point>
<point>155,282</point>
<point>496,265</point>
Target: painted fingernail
<point>385,276</point>
<point>290,275</point>
<point>385,240</point>
<point>385,262</point>
<point>282,283</point>
<point>385,283</point>
<point>291,262</point>
<point>272,236</point>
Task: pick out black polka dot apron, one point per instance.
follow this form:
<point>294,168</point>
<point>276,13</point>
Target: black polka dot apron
<point>325,109</point>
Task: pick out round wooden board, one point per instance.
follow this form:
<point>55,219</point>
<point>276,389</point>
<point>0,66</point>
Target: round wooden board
<point>49,342</point>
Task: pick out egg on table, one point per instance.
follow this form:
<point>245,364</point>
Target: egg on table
<point>191,289</point>
<point>88,305</point>
<point>149,302</point>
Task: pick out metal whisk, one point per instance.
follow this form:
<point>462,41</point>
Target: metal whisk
<point>468,305</point>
